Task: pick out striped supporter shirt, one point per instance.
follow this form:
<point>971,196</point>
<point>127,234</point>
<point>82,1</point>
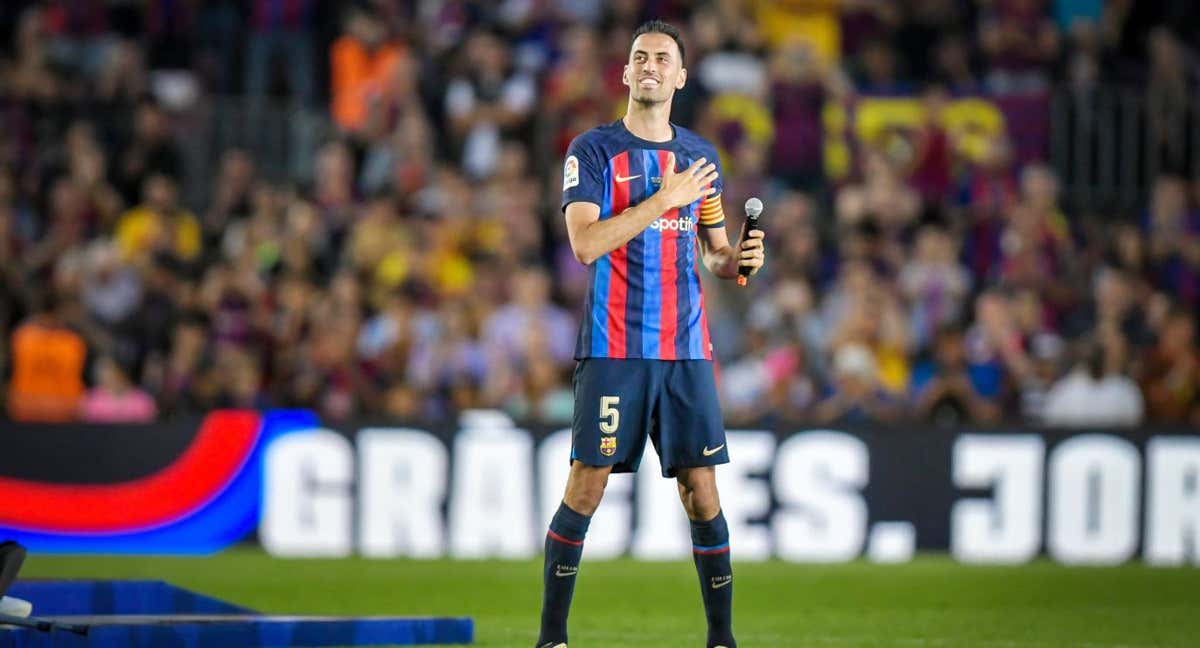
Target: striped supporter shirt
<point>644,298</point>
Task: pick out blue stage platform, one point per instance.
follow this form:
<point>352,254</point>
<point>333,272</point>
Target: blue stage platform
<point>153,613</point>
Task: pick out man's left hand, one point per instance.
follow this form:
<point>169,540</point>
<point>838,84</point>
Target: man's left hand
<point>751,252</point>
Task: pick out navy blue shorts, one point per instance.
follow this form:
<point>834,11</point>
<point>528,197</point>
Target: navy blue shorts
<point>621,402</point>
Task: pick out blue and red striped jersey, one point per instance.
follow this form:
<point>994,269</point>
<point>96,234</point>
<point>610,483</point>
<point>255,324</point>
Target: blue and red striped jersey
<point>644,298</point>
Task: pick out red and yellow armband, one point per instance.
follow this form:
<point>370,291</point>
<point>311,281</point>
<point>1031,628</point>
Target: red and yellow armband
<point>712,214</point>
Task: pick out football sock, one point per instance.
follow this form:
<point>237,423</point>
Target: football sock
<point>564,546</point>
<point>710,550</point>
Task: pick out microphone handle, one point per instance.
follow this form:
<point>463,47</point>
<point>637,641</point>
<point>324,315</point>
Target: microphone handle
<point>744,271</point>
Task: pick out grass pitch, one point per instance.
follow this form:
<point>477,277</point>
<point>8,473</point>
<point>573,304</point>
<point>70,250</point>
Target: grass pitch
<point>930,602</point>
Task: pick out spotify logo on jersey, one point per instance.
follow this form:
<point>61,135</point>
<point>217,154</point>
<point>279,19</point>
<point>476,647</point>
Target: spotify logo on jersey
<point>684,224</point>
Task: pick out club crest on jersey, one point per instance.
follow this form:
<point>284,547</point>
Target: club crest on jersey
<point>608,445</point>
<point>570,172</point>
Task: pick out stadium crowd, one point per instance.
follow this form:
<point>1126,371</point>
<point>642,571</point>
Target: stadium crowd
<point>422,265</point>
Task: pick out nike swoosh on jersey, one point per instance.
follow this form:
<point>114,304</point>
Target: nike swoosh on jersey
<point>709,453</point>
<point>621,178</point>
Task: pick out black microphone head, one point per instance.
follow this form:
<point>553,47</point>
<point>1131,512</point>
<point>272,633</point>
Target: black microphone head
<point>754,207</point>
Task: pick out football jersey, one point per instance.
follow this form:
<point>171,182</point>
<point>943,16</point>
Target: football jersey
<point>644,298</point>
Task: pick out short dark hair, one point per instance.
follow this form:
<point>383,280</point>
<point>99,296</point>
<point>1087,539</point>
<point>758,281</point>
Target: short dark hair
<point>661,27</point>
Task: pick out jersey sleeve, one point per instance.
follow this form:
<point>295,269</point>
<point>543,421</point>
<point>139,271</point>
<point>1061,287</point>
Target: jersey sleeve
<point>712,214</point>
<point>583,173</point>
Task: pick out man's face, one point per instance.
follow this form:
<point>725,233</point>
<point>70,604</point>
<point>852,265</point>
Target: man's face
<point>654,71</point>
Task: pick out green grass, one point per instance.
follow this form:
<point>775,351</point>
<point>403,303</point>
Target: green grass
<point>930,602</point>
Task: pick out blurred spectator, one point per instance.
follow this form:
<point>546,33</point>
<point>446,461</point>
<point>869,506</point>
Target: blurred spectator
<point>1092,395</point>
<point>932,163</point>
<point>860,311</point>
<point>1173,229</point>
<point>485,99</point>
<point>114,399</point>
<point>281,33</point>
<point>79,30</point>
<point>799,90</point>
<point>546,396</point>
<point>381,247</point>
<point>934,283</point>
<point>863,21</point>
<point>112,290</point>
<point>218,43</point>
<point>750,162</point>
<point>159,225</point>
<point>923,24</point>
<point>1047,361</point>
<point>123,80</point>
<point>1169,96</point>
<point>81,162</point>
<point>991,193</point>
<point>447,358</point>
<point>1036,246</point>
<point>399,134</point>
<point>65,234</point>
<point>334,194</point>
<point>767,381</point>
<point>1114,305</point>
<point>1021,43</point>
<point>1171,376</point>
<point>856,395</point>
<point>362,60</point>
<point>230,194</point>
<point>506,328</point>
<point>949,390</point>
<point>238,381</point>
<point>575,88</point>
<point>794,232</point>
<point>879,70</point>
<point>729,64</point>
<point>1086,49</point>
<point>177,380</point>
<point>813,22</point>
<point>47,366</point>
<point>151,152</point>
<point>952,65</point>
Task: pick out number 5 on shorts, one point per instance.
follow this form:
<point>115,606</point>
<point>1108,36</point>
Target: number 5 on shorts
<point>610,417</point>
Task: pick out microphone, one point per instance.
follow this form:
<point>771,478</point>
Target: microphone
<point>754,209</point>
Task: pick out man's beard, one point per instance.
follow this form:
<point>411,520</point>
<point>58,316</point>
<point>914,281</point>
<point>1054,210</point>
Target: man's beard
<point>647,99</point>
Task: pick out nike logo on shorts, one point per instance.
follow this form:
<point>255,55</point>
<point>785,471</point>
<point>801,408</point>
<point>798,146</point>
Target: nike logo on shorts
<point>709,453</point>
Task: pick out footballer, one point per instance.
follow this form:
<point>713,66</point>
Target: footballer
<point>638,195</point>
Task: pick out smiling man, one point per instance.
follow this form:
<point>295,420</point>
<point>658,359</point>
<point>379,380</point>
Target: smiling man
<point>642,200</point>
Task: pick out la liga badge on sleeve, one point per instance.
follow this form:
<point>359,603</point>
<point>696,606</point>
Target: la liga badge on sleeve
<point>570,172</point>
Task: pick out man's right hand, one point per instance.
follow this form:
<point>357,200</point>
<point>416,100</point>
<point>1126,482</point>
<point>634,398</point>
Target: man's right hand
<point>694,183</point>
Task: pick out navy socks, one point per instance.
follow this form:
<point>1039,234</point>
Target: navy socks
<point>564,546</point>
<point>710,550</point>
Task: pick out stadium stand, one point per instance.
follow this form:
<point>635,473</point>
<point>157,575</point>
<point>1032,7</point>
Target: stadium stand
<point>295,203</point>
